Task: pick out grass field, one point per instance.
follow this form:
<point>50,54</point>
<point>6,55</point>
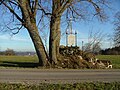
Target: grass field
<point>31,61</point>
<point>115,59</point>
<point>19,61</point>
<point>19,58</point>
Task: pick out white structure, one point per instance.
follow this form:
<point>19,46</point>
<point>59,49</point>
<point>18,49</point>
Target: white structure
<point>71,38</point>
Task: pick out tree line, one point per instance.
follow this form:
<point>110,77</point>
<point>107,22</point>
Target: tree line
<point>111,51</point>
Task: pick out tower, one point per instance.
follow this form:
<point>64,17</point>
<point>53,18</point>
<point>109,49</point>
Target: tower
<point>71,37</point>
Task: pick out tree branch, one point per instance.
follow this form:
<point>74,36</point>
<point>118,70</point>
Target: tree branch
<point>65,5</point>
<point>42,9</point>
<point>13,3</point>
<point>34,7</point>
<point>16,28</point>
<point>1,1</point>
<point>12,11</point>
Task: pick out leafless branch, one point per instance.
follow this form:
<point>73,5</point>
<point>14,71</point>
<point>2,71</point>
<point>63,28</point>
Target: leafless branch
<point>40,19</point>
<point>99,11</point>
<point>12,11</point>
<point>13,3</point>
<point>1,1</point>
<point>14,29</point>
<point>43,10</point>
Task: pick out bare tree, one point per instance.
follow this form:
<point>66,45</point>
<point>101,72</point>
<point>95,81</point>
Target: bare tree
<point>69,9</point>
<point>25,11</point>
<point>27,17</point>
<point>94,42</point>
<point>117,29</point>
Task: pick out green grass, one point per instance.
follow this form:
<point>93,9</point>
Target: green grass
<point>19,61</point>
<point>115,59</point>
<point>19,58</point>
<point>76,86</point>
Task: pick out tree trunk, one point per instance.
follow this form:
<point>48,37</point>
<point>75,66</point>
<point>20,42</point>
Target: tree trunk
<point>29,17</point>
<point>54,39</point>
<point>37,41</point>
<point>58,7</point>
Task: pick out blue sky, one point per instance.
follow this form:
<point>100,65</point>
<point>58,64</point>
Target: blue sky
<point>22,41</point>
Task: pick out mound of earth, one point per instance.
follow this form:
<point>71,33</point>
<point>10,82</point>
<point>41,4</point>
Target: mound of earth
<point>74,58</point>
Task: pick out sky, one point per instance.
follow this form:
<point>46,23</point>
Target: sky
<point>22,40</point>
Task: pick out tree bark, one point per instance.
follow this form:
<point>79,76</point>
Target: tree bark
<point>54,41</point>
<point>29,18</point>
<point>39,47</point>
